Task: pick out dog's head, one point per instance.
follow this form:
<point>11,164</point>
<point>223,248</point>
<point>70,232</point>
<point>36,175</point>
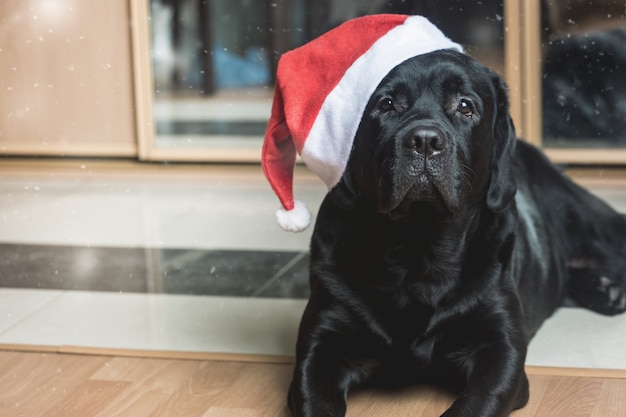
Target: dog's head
<point>437,129</point>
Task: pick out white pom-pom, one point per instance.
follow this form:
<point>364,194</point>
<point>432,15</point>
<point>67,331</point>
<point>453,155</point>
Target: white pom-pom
<point>295,220</point>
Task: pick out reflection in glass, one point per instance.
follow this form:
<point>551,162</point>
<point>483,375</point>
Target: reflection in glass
<point>584,87</point>
<point>214,60</point>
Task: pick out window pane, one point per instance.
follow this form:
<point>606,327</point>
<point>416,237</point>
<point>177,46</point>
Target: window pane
<point>584,82</point>
<point>478,26</point>
<point>214,61</point>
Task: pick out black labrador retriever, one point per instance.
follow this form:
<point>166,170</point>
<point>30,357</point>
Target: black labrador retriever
<point>445,246</point>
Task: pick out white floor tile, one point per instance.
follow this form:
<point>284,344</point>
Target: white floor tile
<point>17,305</point>
<point>162,322</point>
<point>576,337</point>
<point>571,338</point>
<point>224,214</point>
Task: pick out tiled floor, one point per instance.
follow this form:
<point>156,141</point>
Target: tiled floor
<point>177,258</point>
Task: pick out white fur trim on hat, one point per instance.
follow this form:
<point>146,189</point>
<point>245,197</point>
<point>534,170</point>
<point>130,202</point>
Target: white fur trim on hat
<point>328,145</point>
<point>295,220</point>
<point>321,92</point>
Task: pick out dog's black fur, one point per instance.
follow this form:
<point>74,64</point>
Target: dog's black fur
<point>445,245</point>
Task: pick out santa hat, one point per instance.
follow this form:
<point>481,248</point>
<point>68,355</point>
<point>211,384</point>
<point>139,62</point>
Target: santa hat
<point>321,92</point>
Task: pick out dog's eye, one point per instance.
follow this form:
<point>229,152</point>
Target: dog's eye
<point>465,107</point>
<point>386,104</point>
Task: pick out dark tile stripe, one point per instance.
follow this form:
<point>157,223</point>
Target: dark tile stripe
<point>152,270</point>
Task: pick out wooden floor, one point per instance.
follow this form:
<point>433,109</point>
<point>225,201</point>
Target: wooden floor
<point>67,385</point>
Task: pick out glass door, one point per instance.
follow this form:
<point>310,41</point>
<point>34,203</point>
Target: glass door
<point>564,66</point>
<point>212,66</point>
<point>212,78</point>
<point>583,47</point>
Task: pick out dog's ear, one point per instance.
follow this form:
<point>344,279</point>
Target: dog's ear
<point>502,185</point>
<point>344,193</point>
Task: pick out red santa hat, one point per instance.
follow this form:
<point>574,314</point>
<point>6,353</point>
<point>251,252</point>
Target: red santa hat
<point>321,92</point>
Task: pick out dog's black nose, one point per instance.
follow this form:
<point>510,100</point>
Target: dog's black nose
<point>426,141</point>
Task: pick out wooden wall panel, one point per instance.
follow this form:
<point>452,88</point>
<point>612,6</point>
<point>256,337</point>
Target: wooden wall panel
<point>66,78</point>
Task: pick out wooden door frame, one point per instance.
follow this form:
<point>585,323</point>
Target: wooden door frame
<point>522,20</point>
<point>144,99</point>
<point>523,75</point>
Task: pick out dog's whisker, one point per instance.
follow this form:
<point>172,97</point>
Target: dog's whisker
<point>388,165</point>
<point>465,176</point>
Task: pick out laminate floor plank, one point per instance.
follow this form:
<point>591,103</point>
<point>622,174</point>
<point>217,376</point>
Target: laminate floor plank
<point>68,385</point>
<point>88,399</point>
<point>538,389</point>
<point>612,401</point>
<point>160,387</point>
<point>568,397</point>
<point>38,382</point>
<point>421,401</point>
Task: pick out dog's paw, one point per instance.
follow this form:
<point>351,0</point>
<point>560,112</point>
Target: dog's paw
<point>598,293</point>
<point>615,295</point>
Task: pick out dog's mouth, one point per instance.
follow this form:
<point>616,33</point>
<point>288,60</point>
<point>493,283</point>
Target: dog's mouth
<point>423,188</point>
<point>421,166</point>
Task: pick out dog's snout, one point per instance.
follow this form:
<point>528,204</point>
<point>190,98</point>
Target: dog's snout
<point>425,141</point>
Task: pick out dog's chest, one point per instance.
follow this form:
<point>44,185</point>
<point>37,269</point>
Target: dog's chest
<point>401,282</point>
<point>408,278</point>
<point>406,337</point>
